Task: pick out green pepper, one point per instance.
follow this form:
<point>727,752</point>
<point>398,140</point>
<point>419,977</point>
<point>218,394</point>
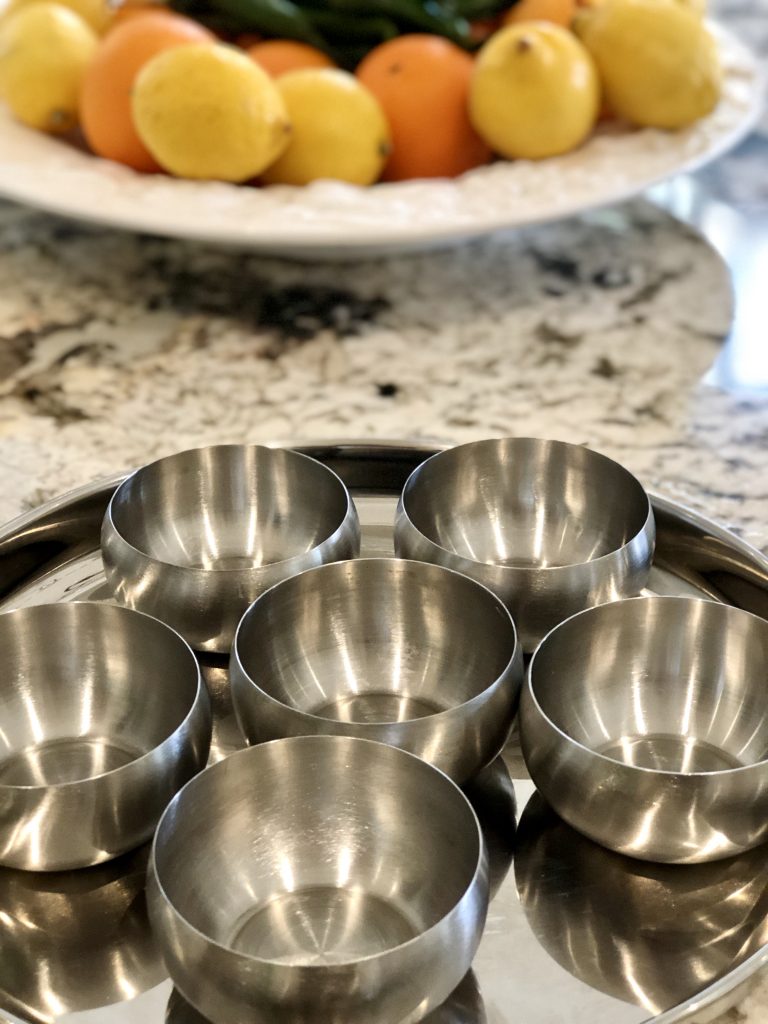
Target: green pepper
<point>280,18</point>
<point>427,15</point>
<point>473,9</point>
<point>347,27</point>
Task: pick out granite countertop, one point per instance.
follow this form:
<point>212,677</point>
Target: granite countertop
<point>118,348</point>
<point>115,349</point>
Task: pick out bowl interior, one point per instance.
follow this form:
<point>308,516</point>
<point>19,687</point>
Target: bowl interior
<point>229,507</point>
<point>376,640</point>
<point>86,689</point>
<point>526,503</point>
<point>672,684</point>
<point>317,850</point>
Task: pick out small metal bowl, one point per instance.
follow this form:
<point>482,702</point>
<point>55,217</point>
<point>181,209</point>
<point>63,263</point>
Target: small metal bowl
<point>644,723</point>
<point>104,716</point>
<point>318,880</point>
<point>194,538</point>
<point>550,527</point>
<point>385,649</point>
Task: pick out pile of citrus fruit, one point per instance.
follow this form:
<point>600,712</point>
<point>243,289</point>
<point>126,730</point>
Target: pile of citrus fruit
<point>160,91</point>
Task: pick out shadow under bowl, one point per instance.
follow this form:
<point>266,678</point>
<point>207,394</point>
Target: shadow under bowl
<point>318,880</point>
<point>550,527</point>
<point>386,649</point>
<point>194,538</point>
<point>644,723</point>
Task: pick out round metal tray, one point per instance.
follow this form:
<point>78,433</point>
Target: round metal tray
<point>574,934</point>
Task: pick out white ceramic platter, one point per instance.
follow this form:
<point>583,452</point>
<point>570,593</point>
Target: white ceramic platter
<point>334,220</point>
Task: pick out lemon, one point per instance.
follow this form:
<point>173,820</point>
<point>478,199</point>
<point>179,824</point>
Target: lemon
<point>96,13</point>
<point>697,6</point>
<point>44,51</point>
<point>534,92</point>
<point>658,63</point>
<point>339,130</point>
<point>207,111</point>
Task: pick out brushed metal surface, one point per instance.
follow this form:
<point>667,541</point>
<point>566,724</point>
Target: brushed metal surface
<point>645,724</point>
<point>550,527</point>
<point>51,554</point>
<point>194,538</point>
<point>318,880</point>
<point>103,717</point>
<point>385,649</point>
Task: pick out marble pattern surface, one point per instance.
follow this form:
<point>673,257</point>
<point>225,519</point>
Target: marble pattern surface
<point>115,349</point>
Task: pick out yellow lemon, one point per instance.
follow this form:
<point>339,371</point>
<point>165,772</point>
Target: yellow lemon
<point>96,13</point>
<point>658,63</point>
<point>338,130</point>
<point>697,6</point>
<point>44,51</point>
<point>208,111</point>
<point>534,92</point>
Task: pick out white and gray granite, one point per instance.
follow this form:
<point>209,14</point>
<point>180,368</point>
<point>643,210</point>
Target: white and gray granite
<point>119,348</point>
<point>115,349</point>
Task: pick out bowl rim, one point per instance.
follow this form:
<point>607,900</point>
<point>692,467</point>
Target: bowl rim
<point>329,541</point>
<point>153,751</point>
<point>728,610</point>
<point>235,654</point>
<point>480,868</point>
<point>614,554</point>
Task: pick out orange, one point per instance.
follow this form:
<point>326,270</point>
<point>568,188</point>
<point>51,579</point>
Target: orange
<point>105,95</point>
<point>561,12</point>
<point>278,56</point>
<point>422,83</point>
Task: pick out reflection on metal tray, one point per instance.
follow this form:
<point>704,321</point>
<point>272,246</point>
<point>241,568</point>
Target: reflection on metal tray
<point>575,933</point>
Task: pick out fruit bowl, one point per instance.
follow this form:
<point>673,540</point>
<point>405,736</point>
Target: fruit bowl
<point>336,221</point>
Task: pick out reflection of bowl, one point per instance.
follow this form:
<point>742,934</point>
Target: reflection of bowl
<point>76,940</point>
<point>550,527</point>
<point>194,538</point>
<point>645,724</point>
<point>226,737</point>
<point>650,934</point>
<point>492,794</point>
<point>318,880</point>
<point>463,1006</point>
<point>104,717</point>
<point>384,649</point>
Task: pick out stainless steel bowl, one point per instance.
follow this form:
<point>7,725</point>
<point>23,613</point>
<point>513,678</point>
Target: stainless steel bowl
<point>651,934</point>
<point>402,652</point>
<point>318,880</point>
<point>76,940</point>
<point>645,724</point>
<point>194,538</point>
<point>550,527</point>
<point>104,716</point>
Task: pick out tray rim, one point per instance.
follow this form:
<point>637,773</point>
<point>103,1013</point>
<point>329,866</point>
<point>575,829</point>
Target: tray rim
<point>718,991</point>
